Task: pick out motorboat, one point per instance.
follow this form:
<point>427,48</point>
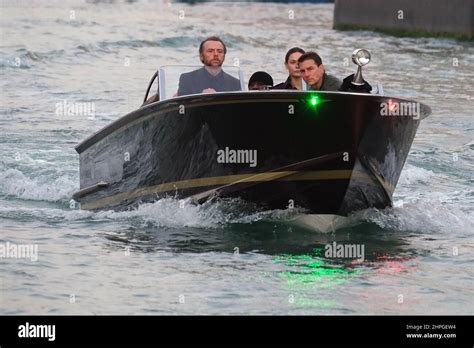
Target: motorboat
<point>330,153</point>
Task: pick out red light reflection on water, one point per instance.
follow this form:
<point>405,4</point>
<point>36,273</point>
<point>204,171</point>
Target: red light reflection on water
<point>391,264</point>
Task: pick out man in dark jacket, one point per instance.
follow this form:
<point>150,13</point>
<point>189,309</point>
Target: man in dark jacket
<point>210,78</point>
<point>314,74</point>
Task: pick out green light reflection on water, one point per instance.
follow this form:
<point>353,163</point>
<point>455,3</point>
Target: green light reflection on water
<point>310,274</point>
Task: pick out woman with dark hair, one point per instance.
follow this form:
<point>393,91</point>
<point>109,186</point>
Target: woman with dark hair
<point>291,63</point>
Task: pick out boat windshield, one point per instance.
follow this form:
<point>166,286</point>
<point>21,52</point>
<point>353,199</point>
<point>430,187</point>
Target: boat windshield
<point>169,80</point>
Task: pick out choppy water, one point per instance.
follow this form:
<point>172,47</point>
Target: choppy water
<point>165,260</point>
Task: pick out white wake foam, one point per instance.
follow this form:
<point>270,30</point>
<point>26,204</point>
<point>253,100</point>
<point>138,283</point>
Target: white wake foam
<point>421,216</point>
<point>42,188</point>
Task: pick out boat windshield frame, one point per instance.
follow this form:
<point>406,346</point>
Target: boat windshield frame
<point>162,78</point>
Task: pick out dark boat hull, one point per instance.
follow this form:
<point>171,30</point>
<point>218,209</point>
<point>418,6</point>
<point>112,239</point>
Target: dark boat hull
<point>336,157</point>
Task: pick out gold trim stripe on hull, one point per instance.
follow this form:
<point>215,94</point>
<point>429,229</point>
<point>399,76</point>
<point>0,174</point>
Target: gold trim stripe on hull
<point>233,179</point>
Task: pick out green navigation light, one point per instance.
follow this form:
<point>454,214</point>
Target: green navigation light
<point>313,101</point>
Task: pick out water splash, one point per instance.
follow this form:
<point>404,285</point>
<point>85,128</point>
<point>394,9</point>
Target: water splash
<point>421,216</point>
<point>48,188</point>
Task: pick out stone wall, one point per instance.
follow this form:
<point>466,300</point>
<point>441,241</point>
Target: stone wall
<point>445,17</point>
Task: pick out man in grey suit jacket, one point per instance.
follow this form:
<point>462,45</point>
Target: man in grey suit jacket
<point>210,78</point>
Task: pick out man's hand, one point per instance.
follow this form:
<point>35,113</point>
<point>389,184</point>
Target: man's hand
<point>209,90</point>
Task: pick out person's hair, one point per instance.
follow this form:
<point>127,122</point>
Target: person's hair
<point>260,78</point>
<point>212,38</point>
<point>291,51</point>
<point>311,55</point>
